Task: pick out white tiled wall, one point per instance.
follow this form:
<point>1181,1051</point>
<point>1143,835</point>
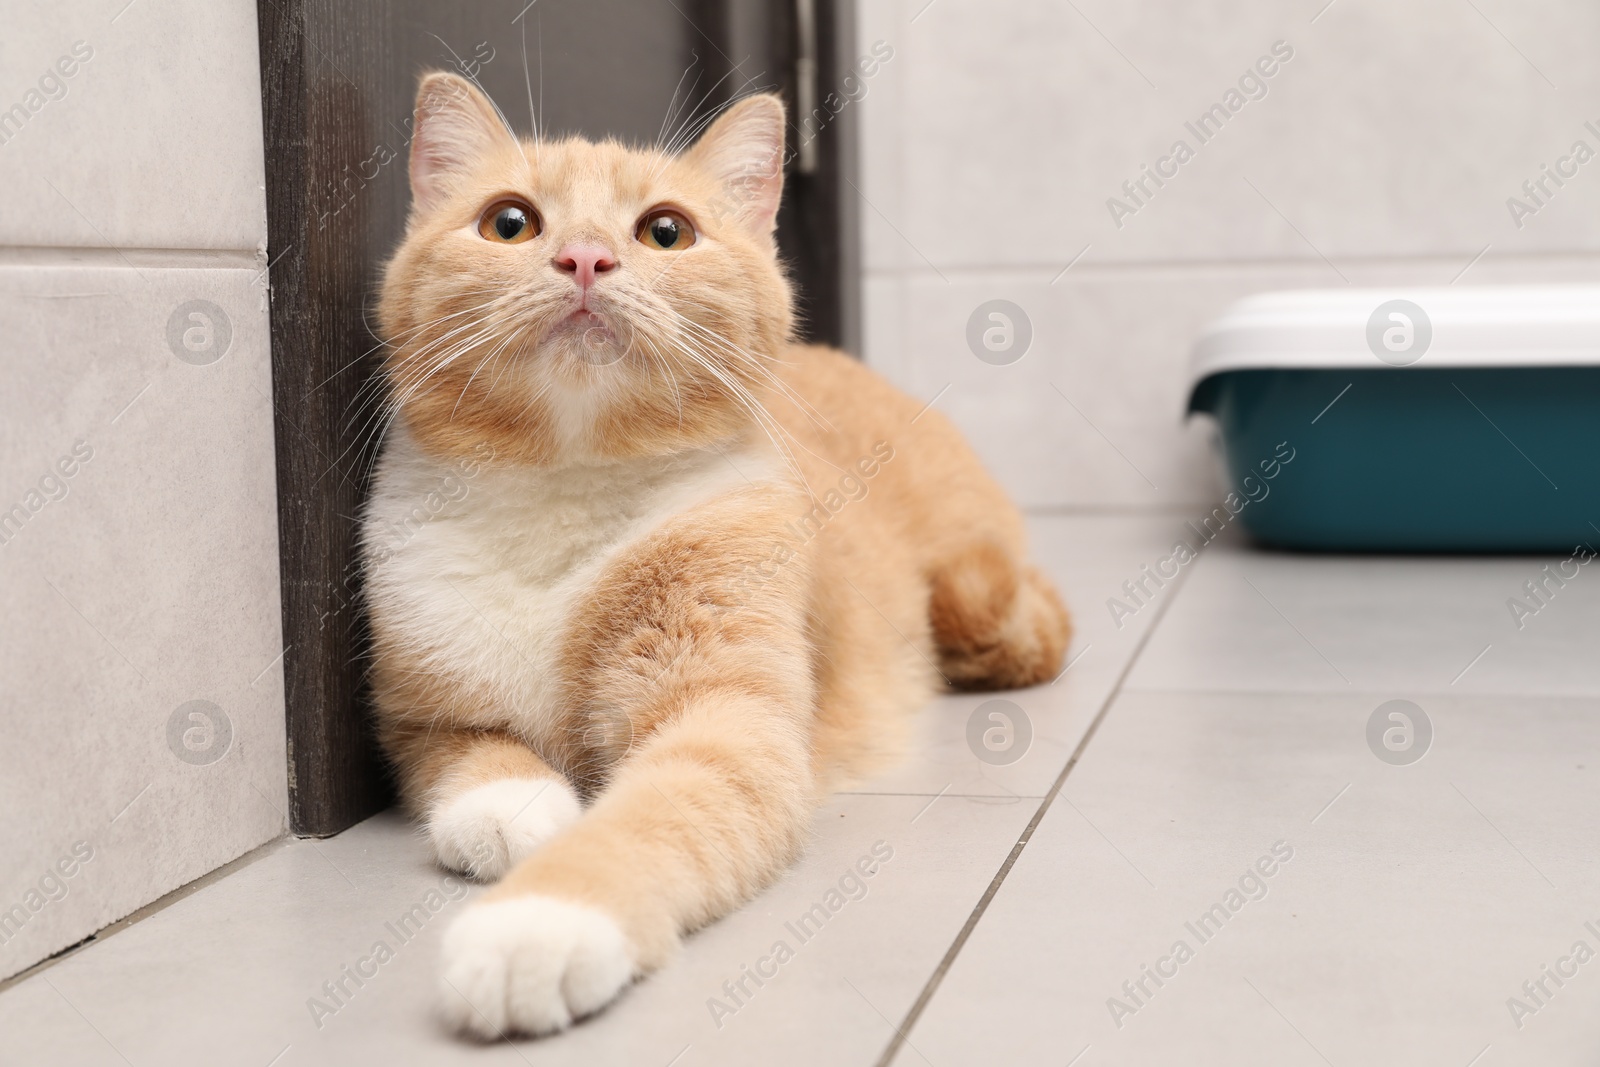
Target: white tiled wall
<point>138,507</point>
<point>1382,152</point>
<point>152,141</point>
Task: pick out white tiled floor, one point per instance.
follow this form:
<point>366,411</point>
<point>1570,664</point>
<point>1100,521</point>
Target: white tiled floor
<point>1416,901</point>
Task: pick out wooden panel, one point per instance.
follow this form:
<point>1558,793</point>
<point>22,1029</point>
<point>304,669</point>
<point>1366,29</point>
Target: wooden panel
<point>314,117</point>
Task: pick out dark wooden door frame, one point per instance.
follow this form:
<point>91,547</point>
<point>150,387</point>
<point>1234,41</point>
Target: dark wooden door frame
<point>322,63</point>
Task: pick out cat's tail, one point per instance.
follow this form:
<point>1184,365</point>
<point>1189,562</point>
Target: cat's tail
<point>998,622</point>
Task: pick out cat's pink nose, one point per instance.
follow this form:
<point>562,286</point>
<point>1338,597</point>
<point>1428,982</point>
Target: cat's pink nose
<point>584,261</point>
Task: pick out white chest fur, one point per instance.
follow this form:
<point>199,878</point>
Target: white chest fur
<point>475,569</point>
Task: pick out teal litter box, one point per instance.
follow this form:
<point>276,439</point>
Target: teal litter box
<point>1422,420</point>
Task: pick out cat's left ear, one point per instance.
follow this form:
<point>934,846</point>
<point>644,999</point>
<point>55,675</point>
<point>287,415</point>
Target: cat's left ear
<point>743,152</point>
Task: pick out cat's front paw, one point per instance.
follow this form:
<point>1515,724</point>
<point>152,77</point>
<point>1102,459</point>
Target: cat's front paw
<point>487,830</point>
<point>530,965</point>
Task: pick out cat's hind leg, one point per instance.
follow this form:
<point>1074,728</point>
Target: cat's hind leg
<point>997,621</point>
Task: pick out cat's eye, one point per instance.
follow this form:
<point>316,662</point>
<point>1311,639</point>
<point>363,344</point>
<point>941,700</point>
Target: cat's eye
<point>509,222</point>
<point>665,229</point>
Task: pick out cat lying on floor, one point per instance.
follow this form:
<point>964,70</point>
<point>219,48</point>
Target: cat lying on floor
<point>693,577</point>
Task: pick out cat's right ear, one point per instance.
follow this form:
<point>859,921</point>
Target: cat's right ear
<point>455,125</point>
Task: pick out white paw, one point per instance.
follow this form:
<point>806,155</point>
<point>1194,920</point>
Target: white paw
<point>487,830</point>
<point>530,965</point>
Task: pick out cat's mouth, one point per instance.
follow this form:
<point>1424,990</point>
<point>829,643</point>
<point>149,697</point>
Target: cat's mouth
<point>583,322</point>
<point>588,335</point>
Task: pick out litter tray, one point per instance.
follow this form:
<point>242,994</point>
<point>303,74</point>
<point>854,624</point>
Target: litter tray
<point>1428,420</point>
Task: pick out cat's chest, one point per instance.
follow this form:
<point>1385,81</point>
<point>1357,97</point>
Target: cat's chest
<point>478,570</point>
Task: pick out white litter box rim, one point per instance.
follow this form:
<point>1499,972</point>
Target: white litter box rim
<point>1473,326</point>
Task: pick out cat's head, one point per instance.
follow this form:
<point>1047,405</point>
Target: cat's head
<point>565,301</point>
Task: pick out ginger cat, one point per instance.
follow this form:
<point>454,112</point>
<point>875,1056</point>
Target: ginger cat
<point>646,579</point>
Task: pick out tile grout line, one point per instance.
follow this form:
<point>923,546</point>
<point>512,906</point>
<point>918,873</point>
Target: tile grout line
<point>148,910</point>
<point>932,985</point>
<point>1354,691</point>
<point>953,796</point>
<point>1181,509</point>
<point>1105,269</point>
<point>94,257</point>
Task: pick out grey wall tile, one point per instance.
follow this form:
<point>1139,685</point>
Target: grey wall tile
<point>1395,129</point>
<point>882,138</point>
<point>153,141</point>
<point>139,559</point>
<point>1093,411</point>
